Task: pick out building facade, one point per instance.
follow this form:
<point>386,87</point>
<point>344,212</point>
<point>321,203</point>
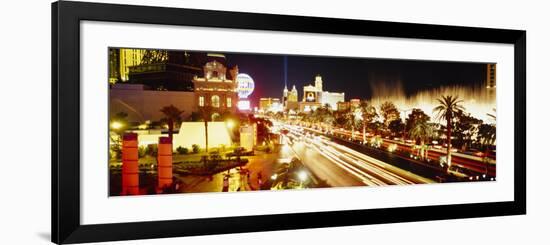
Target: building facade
<point>332,99</point>
<point>141,104</point>
<point>314,97</point>
<point>217,88</point>
<point>270,105</point>
<point>491,79</point>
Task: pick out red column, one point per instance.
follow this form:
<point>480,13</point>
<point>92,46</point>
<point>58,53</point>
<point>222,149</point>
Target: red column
<point>164,159</point>
<point>130,168</point>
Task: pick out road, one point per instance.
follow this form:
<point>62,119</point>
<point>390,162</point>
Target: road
<point>341,166</point>
<point>472,162</point>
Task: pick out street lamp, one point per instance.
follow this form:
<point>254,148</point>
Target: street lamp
<point>116,125</point>
<point>230,124</point>
<point>302,176</point>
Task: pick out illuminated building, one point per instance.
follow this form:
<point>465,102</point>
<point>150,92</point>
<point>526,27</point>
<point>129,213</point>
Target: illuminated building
<point>158,69</point>
<point>355,103</point>
<point>141,104</point>
<point>290,99</point>
<point>346,105</point>
<point>491,76</point>
<point>270,105</point>
<point>248,136</point>
<point>332,99</point>
<point>314,97</point>
<point>217,88</point>
<point>193,133</point>
<point>311,99</point>
<point>120,61</point>
<point>342,105</point>
<point>114,64</point>
<point>167,70</point>
<point>129,58</point>
<point>293,95</point>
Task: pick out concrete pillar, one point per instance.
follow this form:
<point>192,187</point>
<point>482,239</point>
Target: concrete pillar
<point>164,159</point>
<point>130,168</point>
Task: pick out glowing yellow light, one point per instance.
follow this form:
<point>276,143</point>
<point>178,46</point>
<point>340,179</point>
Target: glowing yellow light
<point>116,125</point>
<point>230,124</point>
<point>302,176</point>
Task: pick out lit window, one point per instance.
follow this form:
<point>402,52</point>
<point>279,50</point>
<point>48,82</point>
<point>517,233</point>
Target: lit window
<point>201,101</point>
<point>228,102</point>
<point>216,101</point>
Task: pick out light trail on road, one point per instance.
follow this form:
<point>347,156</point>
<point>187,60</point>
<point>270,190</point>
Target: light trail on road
<point>369,171</point>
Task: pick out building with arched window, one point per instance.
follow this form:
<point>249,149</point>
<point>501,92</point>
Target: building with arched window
<point>217,88</point>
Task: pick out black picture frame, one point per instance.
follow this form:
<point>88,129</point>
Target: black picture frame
<point>66,18</point>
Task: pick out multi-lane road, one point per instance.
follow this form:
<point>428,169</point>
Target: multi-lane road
<point>339,165</point>
<point>472,162</point>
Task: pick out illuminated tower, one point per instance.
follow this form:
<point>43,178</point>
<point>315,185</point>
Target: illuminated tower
<point>319,82</point>
<point>114,65</point>
<point>491,76</point>
<point>129,58</point>
<point>285,96</point>
<point>293,95</point>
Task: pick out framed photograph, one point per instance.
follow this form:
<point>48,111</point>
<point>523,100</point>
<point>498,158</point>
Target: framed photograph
<point>176,122</point>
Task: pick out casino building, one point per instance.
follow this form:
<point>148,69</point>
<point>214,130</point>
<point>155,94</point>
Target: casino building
<point>313,97</point>
<point>217,88</point>
<point>214,86</point>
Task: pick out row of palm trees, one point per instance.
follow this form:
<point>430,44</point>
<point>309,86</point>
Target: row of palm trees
<point>421,129</point>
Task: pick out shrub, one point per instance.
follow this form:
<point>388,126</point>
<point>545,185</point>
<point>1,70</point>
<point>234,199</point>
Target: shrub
<point>116,151</point>
<point>196,148</point>
<point>142,151</point>
<point>152,150</point>
<point>182,150</point>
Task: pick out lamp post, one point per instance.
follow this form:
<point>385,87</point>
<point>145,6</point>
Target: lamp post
<point>302,176</point>
<point>404,122</point>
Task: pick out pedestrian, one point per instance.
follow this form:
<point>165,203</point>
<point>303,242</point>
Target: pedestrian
<point>259,180</point>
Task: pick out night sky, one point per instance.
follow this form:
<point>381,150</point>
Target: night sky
<point>357,77</point>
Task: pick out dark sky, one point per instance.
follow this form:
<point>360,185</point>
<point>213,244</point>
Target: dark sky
<point>355,76</point>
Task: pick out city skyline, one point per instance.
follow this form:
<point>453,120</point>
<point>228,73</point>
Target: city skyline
<point>183,122</point>
<point>357,77</point>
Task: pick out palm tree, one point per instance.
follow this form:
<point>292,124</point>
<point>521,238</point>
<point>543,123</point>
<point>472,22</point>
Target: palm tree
<point>487,136</point>
<point>423,131</point>
<point>326,116</point>
<point>172,116</point>
<point>206,113</point>
<point>449,107</point>
<point>351,120</point>
<point>368,114</point>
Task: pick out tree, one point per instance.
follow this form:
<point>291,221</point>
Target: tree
<point>487,136</point>
<point>416,116</point>
<point>339,119</point>
<point>464,127</point>
<point>396,127</point>
<point>205,113</point>
<point>449,107</point>
<point>325,116</point>
<point>368,114</point>
<point>172,116</point>
<point>351,120</point>
<point>422,131</point>
<point>389,112</point>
